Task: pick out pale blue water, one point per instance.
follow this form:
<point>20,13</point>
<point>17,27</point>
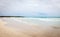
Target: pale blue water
<point>33,21</point>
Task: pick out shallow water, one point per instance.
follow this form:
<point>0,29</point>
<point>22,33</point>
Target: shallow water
<point>33,21</point>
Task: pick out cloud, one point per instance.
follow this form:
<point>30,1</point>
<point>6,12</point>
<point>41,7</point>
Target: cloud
<point>30,7</point>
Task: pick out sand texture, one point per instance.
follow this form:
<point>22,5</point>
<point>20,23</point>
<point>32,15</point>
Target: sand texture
<point>31,31</point>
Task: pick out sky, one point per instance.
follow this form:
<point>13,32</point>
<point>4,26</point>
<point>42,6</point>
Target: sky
<point>30,8</point>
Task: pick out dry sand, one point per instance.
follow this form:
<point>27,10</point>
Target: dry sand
<point>35,31</point>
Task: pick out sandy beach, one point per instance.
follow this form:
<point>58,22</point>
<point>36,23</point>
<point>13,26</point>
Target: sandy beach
<point>28,27</point>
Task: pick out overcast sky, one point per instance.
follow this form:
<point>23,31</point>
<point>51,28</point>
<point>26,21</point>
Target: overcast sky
<point>30,7</point>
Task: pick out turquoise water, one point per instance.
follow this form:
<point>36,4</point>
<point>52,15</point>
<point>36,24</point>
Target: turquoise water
<point>26,23</point>
<point>33,21</point>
